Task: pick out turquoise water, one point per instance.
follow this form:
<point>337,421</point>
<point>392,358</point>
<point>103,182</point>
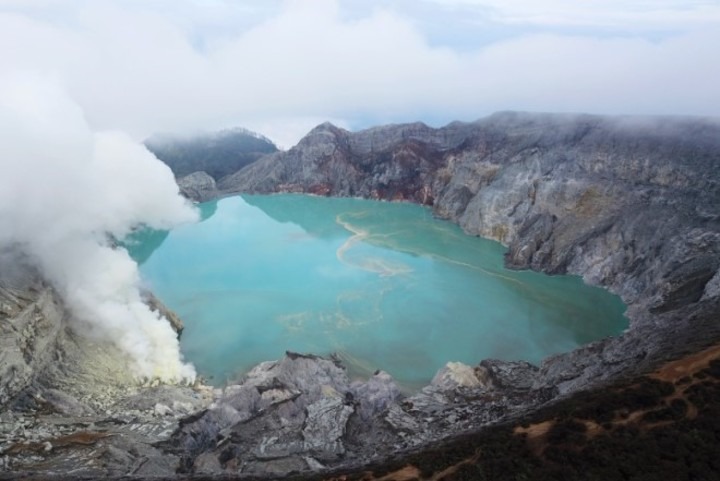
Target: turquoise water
<point>384,285</point>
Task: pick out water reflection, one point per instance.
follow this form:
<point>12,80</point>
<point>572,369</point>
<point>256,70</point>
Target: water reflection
<point>312,217</point>
<point>385,285</point>
<point>143,242</point>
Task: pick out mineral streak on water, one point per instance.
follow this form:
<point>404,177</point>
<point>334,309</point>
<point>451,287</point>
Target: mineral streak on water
<point>383,285</point>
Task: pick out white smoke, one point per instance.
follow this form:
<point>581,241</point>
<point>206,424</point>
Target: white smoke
<point>65,192</point>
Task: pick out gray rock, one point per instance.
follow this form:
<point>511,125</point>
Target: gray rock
<point>375,395</point>
<point>116,458</point>
<point>313,463</point>
<point>454,375</point>
<point>510,374</point>
<point>182,400</point>
<point>308,374</point>
<point>278,467</point>
<point>198,186</point>
<point>207,463</point>
<point>161,465</point>
<point>27,339</point>
<point>712,288</point>
<point>66,404</point>
<point>325,426</point>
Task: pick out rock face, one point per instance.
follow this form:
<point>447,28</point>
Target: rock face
<point>30,319</point>
<point>69,403</point>
<point>198,186</point>
<point>303,413</point>
<point>629,204</point>
<point>395,162</point>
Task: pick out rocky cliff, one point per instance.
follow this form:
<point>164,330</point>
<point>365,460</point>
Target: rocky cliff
<point>630,204</point>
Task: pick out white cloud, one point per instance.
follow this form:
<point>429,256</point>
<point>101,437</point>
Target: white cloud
<point>141,69</point>
<point>637,15</point>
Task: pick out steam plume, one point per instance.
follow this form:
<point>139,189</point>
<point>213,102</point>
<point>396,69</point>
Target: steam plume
<point>65,192</point>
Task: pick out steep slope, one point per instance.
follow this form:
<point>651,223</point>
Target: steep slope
<point>632,204</point>
<point>218,154</point>
<point>663,425</point>
<point>393,162</point>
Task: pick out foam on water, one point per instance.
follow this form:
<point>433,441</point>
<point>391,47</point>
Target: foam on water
<point>383,285</point>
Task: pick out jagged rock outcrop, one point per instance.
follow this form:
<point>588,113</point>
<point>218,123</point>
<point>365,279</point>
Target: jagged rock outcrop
<point>302,413</point>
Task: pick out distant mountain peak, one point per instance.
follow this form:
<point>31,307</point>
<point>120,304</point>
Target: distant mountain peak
<point>327,126</point>
<point>231,131</point>
<point>219,153</point>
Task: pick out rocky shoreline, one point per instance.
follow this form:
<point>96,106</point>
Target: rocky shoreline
<point>80,414</point>
<point>630,204</point>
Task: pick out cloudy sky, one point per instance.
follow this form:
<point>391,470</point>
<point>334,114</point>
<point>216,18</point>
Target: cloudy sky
<point>280,67</point>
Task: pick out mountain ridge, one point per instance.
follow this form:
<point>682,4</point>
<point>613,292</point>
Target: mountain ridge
<point>217,153</point>
<point>630,203</point>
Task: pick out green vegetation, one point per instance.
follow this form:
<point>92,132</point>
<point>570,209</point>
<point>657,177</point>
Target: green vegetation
<point>219,154</point>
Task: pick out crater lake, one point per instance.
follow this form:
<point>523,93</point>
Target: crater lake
<point>381,285</point>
